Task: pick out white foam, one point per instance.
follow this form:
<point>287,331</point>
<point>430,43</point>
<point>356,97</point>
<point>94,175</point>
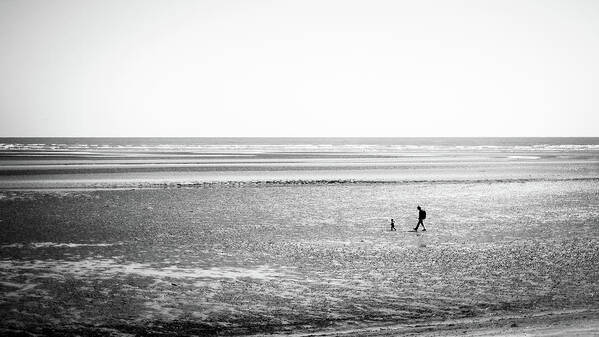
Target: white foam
<point>274,148</point>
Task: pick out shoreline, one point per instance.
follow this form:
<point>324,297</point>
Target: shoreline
<point>86,185</point>
<point>578,322</point>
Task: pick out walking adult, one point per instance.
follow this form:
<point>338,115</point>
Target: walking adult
<point>421,217</point>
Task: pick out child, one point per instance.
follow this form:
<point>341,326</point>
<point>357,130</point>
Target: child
<point>392,225</point>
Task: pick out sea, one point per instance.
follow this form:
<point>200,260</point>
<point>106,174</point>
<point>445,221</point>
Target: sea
<point>144,162</point>
<point>246,236</point>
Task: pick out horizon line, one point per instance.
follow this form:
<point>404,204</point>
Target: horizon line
<point>295,137</point>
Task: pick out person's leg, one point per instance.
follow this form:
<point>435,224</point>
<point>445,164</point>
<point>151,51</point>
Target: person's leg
<point>422,222</point>
<point>418,224</point>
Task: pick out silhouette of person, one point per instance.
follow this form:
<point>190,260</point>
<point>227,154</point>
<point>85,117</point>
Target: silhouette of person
<point>421,217</point>
<point>392,225</point>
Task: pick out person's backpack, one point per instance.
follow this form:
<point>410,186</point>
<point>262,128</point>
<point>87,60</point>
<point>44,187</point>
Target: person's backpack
<point>423,214</point>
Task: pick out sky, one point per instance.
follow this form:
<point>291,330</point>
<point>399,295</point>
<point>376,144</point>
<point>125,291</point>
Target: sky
<point>322,68</point>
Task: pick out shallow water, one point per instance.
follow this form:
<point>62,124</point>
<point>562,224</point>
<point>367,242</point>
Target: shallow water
<point>163,162</point>
<point>282,258</point>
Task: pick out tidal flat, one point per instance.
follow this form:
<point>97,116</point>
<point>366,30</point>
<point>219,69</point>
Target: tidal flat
<point>242,260</point>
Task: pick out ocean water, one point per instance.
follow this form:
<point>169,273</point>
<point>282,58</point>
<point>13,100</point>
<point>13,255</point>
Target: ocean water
<point>277,236</point>
<point>159,162</point>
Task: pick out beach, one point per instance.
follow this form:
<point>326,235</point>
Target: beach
<point>292,237</point>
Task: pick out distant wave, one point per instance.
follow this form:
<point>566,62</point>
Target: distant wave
<point>283,148</point>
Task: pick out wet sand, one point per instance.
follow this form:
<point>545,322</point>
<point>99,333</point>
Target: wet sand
<point>580,323</point>
<point>313,258</point>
